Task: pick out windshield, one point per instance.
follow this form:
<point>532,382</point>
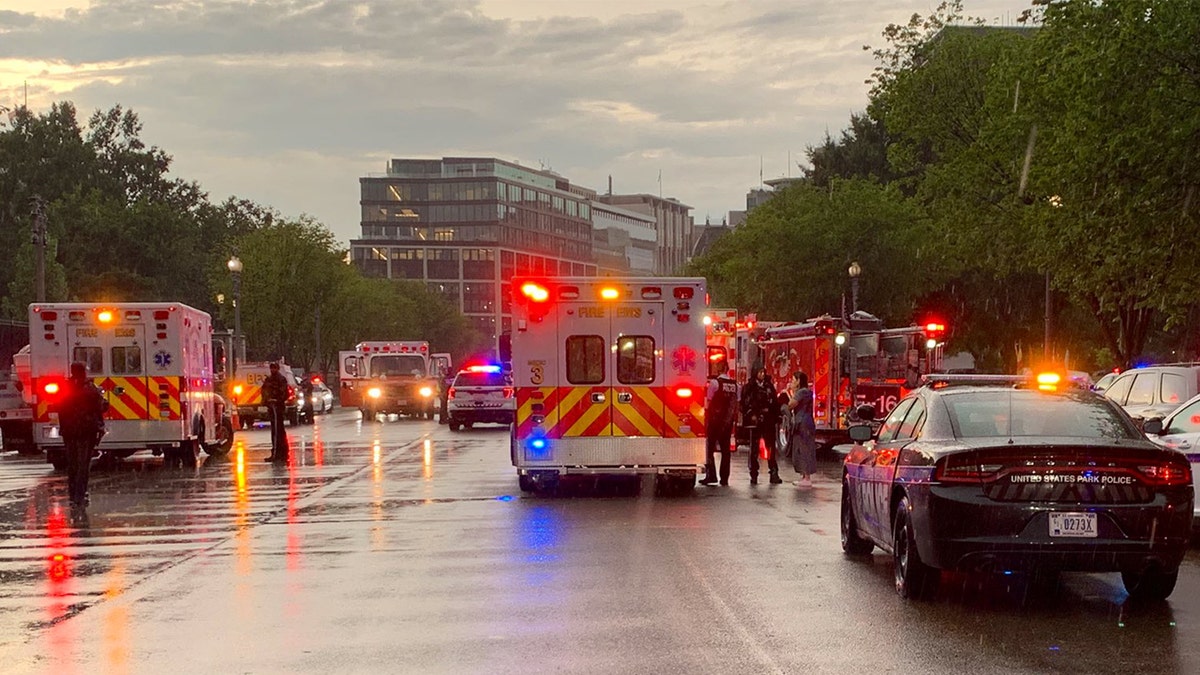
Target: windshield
<point>1008,413</point>
<point>398,364</point>
<point>480,380</point>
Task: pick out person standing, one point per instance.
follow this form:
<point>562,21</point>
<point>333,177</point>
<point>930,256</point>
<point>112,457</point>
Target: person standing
<point>720,412</point>
<point>274,391</point>
<point>804,430</point>
<point>758,402</point>
<point>81,425</point>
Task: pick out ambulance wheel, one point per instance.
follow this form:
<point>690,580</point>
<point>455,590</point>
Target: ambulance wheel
<point>454,426</point>
<point>526,483</point>
<point>57,459</point>
<point>224,441</point>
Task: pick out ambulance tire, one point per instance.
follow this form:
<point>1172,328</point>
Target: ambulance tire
<point>224,441</point>
<point>526,483</point>
<point>454,426</point>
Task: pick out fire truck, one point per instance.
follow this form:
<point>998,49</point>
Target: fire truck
<point>720,334</point>
<point>850,362</point>
<point>389,377</point>
<point>153,362</point>
<point>610,378</point>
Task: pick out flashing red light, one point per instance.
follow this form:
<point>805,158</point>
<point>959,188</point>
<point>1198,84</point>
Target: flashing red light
<point>450,393</point>
<point>934,330</point>
<point>683,392</point>
<point>509,392</point>
<point>684,292</point>
<point>316,380</point>
<point>535,292</point>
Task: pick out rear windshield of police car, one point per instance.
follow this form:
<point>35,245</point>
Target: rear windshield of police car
<point>480,380</point>
<point>1026,413</point>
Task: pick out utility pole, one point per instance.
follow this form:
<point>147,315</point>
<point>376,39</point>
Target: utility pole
<point>39,246</point>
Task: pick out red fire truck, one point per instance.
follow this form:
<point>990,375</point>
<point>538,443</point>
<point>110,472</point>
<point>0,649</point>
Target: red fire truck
<point>850,362</point>
<point>720,334</point>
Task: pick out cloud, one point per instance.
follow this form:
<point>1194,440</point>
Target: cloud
<point>288,102</point>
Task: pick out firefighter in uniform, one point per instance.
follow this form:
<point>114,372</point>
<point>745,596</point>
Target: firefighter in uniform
<point>719,414</point>
<point>758,414</point>
<point>274,393</point>
<point>81,425</point>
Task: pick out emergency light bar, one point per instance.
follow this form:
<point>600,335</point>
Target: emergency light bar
<point>484,369</point>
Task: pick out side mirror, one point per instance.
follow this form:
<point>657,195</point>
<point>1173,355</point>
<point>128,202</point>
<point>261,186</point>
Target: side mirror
<point>1152,427</point>
<point>865,412</point>
<point>860,433</point>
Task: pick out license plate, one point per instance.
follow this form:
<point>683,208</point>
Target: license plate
<point>1073,525</point>
<point>401,402</point>
<point>262,408</point>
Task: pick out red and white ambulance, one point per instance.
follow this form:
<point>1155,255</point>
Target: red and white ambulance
<point>389,377</point>
<point>152,360</point>
<point>610,375</point>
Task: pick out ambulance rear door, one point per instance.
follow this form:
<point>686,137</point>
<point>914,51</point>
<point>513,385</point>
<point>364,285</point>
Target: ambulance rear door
<point>114,357</point>
<point>637,381</point>
<point>585,370</point>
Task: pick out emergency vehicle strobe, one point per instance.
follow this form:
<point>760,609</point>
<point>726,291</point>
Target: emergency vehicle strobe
<point>610,376</point>
<point>152,360</point>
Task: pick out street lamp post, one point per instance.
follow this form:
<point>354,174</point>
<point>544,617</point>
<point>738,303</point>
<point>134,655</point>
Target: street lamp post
<point>235,268</point>
<point>854,271</point>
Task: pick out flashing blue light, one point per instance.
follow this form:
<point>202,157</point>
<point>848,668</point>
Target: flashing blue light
<point>538,444</point>
<point>504,498</point>
<point>484,369</point>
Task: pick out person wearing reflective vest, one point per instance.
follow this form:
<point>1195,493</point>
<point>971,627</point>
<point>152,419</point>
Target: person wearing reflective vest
<point>719,414</point>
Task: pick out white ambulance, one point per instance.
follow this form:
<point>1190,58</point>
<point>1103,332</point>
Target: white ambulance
<point>610,375</point>
<point>389,377</point>
<point>152,360</point>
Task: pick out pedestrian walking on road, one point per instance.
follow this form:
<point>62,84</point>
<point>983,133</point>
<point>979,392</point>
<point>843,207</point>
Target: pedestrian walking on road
<point>804,428</point>
<point>720,412</point>
<point>274,391</point>
<point>760,417</point>
<point>81,425</point>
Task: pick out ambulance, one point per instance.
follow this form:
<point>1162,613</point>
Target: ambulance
<point>609,377</point>
<point>153,362</point>
<point>16,406</point>
<point>389,377</point>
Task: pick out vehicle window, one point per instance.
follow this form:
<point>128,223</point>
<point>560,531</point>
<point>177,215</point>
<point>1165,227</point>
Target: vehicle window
<point>1119,389</point>
<point>1174,389</point>
<point>913,420</point>
<point>585,359</point>
<point>635,359</point>
<point>126,360</point>
<point>395,365</point>
<point>718,362</point>
<point>892,424</point>
<point>1142,391</point>
<point>92,357</point>
<point>479,380</point>
<point>351,366</point>
<point>994,414</point>
<point>1186,421</point>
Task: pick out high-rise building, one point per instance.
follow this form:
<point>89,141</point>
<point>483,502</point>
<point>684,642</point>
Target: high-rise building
<point>466,225</point>
<point>673,225</point>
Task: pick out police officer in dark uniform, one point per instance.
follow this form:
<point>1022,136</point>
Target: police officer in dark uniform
<point>274,392</point>
<point>759,415</point>
<point>308,409</point>
<point>719,415</point>
<point>81,425</point>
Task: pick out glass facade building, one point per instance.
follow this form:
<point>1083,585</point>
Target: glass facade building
<point>465,226</point>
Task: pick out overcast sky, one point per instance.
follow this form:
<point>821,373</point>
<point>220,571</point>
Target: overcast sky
<point>289,102</point>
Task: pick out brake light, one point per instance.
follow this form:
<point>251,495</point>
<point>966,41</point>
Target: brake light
<point>291,393</point>
<point>508,392</point>
<point>51,389</point>
<point>1168,474</point>
<point>683,392</point>
<point>962,469</point>
<point>450,393</point>
<point>535,292</point>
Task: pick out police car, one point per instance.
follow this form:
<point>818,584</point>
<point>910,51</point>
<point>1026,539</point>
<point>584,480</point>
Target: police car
<point>480,394</point>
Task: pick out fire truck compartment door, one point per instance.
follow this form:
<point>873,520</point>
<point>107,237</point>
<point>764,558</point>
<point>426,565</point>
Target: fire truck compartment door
<point>585,369</point>
<point>637,370</point>
<point>115,357</point>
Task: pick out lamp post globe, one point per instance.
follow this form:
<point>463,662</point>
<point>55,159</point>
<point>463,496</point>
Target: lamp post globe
<point>854,271</point>
<point>235,269</point>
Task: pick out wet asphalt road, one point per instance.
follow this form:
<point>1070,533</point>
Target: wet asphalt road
<point>404,547</point>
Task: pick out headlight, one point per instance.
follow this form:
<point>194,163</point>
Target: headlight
<point>426,392</point>
<point>374,392</point>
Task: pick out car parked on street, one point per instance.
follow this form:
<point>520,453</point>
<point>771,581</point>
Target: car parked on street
<point>1181,432</point>
<point>997,474</point>
<point>320,398</point>
<point>480,394</point>
<point>1152,392</point>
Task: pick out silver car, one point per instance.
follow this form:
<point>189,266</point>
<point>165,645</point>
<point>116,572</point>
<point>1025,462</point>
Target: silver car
<point>1181,432</point>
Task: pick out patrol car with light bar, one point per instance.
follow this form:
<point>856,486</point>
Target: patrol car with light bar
<point>1015,475</point>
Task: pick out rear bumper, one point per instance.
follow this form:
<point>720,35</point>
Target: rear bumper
<point>958,528</point>
<point>486,415</point>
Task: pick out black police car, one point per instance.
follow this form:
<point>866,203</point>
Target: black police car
<point>1000,475</point>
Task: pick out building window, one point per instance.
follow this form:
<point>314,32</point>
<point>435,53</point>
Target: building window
<point>479,298</point>
<point>442,263</point>
<point>450,292</point>
<point>408,263</point>
<point>479,263</point>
